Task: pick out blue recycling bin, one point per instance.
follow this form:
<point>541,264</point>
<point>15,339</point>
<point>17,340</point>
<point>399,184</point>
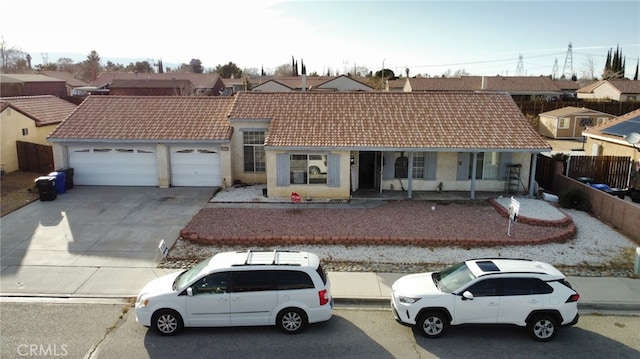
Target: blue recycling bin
<point>61,181</point>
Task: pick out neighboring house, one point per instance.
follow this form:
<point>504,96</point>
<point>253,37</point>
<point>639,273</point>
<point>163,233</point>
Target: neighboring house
<point>149,87</point>
<point>70,81</point>
<point>608,139</point>
<point>370,141</point>
<point>146,141</point>
<point>569,122</point>
<point>311,83</point>
<point>12,85</point>
<point>519,87</point>
<point>28,119</point>
<point>611,90</point>
<point>142,84</point>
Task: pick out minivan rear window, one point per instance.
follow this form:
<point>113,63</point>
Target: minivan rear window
<point>288,279</point>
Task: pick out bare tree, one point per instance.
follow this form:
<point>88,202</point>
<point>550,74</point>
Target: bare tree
<point>11,57</point>
<point>589,69</point>
<point>283,70</point>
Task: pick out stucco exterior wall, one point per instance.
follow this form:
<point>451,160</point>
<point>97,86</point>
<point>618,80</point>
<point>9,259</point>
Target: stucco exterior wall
<point>235,165</point>
<point>605,148</point>
<point>345,84</point>
<point>309,191</point>
<point>12,123</point>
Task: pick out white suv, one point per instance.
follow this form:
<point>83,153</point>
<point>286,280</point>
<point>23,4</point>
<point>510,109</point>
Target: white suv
<point>520,292</point>
<point>251,288</point>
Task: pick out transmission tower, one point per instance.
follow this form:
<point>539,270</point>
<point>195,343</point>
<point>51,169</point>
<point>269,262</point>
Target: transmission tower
<point>567,70</point>
<point>520,66</point>
<point>554,72</point>
<point>45,57</point>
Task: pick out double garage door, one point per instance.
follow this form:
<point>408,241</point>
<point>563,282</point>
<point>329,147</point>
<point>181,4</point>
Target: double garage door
<point>138,165</point>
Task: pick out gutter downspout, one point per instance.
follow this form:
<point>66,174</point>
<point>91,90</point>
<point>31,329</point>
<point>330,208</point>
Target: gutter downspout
<point>532,174</point>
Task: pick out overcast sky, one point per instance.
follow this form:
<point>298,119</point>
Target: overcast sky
<point>428,37</point>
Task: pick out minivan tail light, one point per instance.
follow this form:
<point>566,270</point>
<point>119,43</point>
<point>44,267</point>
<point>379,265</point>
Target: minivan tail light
<point>573,298</point>
<point>323,295</point>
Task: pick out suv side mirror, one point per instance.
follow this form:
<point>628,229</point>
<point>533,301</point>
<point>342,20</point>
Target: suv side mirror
<point>190,292</point>
<point>465,296</point>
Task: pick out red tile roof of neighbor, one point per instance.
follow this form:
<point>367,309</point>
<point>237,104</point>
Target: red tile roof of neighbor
<point>434,120</point>
<point>198,80</point>
<point>44,110</point>
<point>148,118</point>
<point>529,84</point>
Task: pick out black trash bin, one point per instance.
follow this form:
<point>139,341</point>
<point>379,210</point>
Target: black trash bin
<point>46,188</point>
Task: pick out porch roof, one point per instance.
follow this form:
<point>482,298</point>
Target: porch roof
<point>385,120</point>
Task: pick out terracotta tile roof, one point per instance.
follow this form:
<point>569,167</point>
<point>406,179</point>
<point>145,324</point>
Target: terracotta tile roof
<point>67,77</point>
<point>526,84</point>
<point>148,118</point>
<point>435,120</point>
<point>198,80</point>
<point>624,86</point>
<point>150,83</point>
<point>27,78</point>
<point>44,110</point>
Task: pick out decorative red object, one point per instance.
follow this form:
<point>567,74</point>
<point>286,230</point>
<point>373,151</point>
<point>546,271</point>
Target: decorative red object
<point>295,198</point>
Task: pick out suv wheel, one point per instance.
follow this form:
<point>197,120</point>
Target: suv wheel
<point>543,327</point>
<point>291,320</point>
<point>166,322</point>
<point>432,324</point>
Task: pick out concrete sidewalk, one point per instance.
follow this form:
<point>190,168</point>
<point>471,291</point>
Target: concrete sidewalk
<point>102,242</point>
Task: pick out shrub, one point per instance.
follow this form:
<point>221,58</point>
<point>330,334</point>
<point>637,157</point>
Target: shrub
<point>576,199</point>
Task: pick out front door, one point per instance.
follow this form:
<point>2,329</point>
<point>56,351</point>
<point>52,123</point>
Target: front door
<point>367,165</point>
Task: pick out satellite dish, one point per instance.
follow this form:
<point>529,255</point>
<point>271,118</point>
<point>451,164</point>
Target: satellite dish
<point>632,137</point>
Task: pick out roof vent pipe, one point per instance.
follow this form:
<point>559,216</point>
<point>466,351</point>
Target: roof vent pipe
<point>484,83</point>
<point>304,82</point>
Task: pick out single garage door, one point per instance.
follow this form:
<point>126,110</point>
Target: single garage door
<point>114,166</point>
<point>195,166</point>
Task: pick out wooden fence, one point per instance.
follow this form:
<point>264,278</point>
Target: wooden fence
<point>611,170</point>
<point>33,157</point>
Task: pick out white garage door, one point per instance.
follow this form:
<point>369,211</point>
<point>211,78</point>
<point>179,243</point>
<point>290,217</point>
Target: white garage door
<point>114,166</point>
<point>195,166</point>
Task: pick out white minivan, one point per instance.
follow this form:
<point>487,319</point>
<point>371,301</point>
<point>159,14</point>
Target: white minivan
<point>288,289</point>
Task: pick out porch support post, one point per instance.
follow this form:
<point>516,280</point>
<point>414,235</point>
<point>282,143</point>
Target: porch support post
<point>410,176</point>
<point>532,174</point>
<point>474,164</point>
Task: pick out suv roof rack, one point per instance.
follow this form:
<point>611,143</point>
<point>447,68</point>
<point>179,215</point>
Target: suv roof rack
<point>274,261</point>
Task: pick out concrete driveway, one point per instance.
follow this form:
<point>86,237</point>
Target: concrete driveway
<point>91,236</point>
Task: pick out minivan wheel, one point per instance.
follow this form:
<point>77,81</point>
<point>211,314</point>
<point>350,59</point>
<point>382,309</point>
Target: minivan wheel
<point>291,320</point>
<point>543,327</point>
<point>432,324</point>
<point>166,322</point>
<point>314,170</point>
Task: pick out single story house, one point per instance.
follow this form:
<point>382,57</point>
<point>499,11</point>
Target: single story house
<point>321,145</point>
<point>28,119</point>
<point>519,87</point>
<point>311,83</point>
<point>610,138</point>
<point>155,84</point>
<point>569,122</point>
<point>12,85</point>
<point>611,90</point>
<point>146,141</point>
